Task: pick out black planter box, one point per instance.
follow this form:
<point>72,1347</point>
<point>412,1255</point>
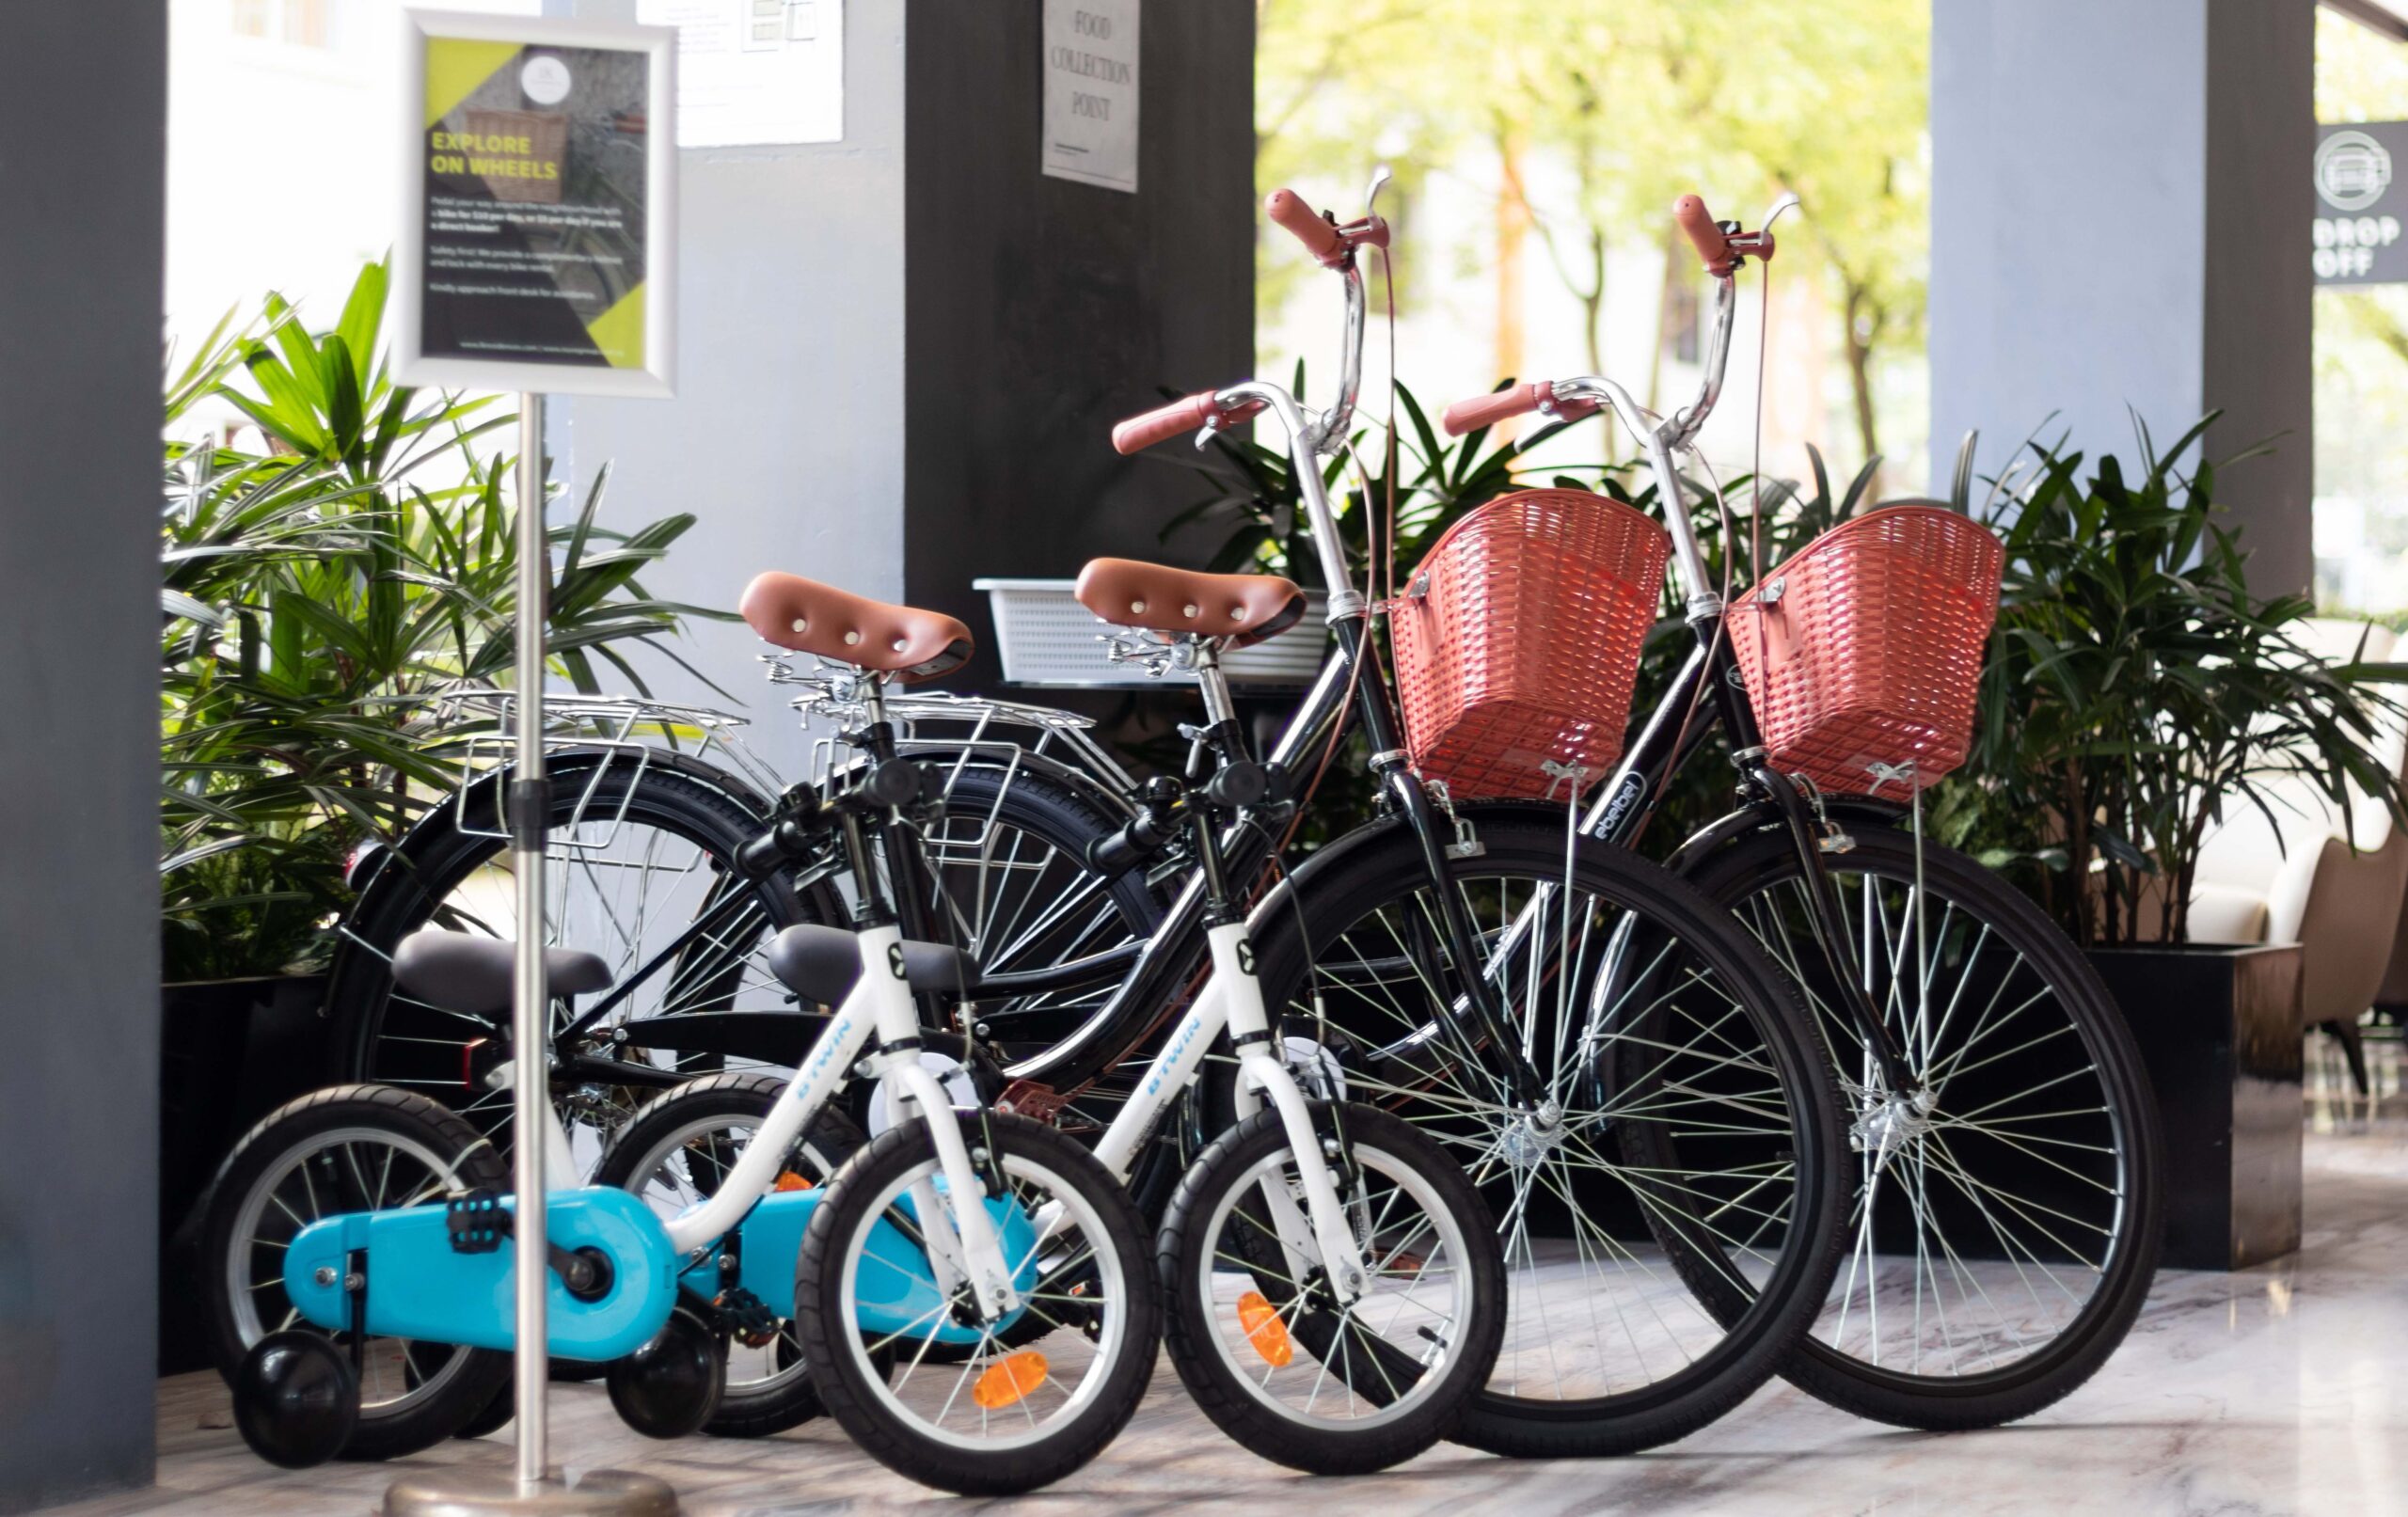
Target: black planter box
<point>2219,1030</point>
<point>231,1051</point>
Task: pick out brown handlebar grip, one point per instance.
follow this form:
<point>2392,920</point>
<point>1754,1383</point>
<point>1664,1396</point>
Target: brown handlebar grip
<point>1488,410</point>
<point>1712,244</point>
<point>1288,209</point>
<point>1163,422</point>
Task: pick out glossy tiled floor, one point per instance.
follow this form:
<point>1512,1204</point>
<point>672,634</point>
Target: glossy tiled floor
<point>2279,1390</point>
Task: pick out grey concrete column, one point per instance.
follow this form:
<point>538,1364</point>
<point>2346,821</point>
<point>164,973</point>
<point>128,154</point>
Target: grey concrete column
<point>2120,199</point>
<point>83,152</point>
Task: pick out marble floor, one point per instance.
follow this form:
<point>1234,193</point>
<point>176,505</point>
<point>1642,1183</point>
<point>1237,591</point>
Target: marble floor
<point>2282,1389</point>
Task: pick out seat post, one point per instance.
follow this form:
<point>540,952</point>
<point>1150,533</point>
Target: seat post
<point>1219,708</point>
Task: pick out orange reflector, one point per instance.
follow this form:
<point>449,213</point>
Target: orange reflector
<point>1264,1330</point>
<point>790,1181</point>
<point>1009,1379</point>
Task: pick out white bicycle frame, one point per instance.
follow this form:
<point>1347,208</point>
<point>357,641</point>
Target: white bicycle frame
<point>964,1245</point>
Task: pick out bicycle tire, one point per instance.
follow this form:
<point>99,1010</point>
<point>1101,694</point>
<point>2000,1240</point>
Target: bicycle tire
<point>470,1379</point>
<point>1743,872</point>
<point>1360,1364</point>
<point>1354,879</point>
<point>855,1383</point>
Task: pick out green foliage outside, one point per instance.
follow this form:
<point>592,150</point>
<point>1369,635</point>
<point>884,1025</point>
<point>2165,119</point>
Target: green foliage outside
<point>2361,348</point>
<point>317,594</point>
<point>1626,106</point>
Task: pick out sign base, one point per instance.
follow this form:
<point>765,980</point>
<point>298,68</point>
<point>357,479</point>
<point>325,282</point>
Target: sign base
<point>483,1493</point>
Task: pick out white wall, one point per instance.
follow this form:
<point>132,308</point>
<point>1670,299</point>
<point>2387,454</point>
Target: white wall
<point>786,437</point>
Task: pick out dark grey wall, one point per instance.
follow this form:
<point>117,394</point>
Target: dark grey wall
<point>2119,194</point>
<point>1038,311</point>
<point>83,102</point>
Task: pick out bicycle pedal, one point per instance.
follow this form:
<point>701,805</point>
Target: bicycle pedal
<point>476,1222</point>
<point>747,1316</point>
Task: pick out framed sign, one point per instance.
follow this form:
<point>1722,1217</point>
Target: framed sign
<point>1091,93</point>
<point>538,246</point>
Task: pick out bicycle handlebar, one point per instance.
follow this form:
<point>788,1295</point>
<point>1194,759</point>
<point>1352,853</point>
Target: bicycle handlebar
<point>1519,400</point>
<point>1181,417</point>
<point>1705,234</point>
<point>1286,209</point>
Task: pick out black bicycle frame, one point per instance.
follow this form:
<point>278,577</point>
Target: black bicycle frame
<point>1674,731</point>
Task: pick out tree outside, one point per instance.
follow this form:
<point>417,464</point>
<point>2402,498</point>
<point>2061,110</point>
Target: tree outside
<point>1538,148</point>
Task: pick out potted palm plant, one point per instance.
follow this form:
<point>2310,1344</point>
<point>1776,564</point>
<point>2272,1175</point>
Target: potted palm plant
<point>318,589</point>
<point>2139,693</point>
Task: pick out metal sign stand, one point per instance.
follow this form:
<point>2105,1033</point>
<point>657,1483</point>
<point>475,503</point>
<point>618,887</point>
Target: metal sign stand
<point>536,1486</point>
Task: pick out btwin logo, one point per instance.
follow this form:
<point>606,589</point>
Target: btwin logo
<point>894,961</point>
<point>830,1044</point>
<point>1171,1055</point>
<point>1246,956</point>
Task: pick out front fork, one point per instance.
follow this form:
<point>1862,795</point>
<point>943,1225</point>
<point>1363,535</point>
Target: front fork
<point>963,1245</point>
<point>1321,1230</point>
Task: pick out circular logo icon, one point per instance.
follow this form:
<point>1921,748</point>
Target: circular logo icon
<point>2351,171</point>
<point>545,79</point>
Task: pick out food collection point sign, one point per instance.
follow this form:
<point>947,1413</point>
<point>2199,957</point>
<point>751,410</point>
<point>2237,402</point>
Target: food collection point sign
<point>536,249</point>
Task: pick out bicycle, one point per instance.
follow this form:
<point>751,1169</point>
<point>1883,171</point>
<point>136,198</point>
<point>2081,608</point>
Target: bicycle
<point>2009,1189</point>
<point>655,1300</point>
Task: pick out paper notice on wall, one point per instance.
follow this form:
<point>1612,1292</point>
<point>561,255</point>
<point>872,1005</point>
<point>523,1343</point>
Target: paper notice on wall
<point>1091,93</point>
<point>756,71</point>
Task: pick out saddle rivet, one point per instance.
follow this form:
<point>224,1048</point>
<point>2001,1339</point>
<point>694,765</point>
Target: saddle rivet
<point>1136,608</point>
<point>900,644</point>
<point>801,625</point>
<point>1188,612</point>
<point>1237,613</point>
<point>851,638</point>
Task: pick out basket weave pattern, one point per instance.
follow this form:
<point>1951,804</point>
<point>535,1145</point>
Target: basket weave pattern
<point>1870,655</point>
<point>1517,640</point>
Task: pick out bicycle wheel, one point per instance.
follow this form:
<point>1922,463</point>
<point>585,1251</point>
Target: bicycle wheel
<point>1606,1351</point>
<point>677,1153</point>
<point>1022,1410</point>
<point>351,1148</point>
<point>1380,1377</point>
<point>639,853</point>
<point>2001,1241</point>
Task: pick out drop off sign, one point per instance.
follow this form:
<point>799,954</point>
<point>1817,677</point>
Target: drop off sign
<point>2358,209</point>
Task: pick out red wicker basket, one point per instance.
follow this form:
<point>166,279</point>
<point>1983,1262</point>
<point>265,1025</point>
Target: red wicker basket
<point>1517,640</point>
<point>1864,652</point>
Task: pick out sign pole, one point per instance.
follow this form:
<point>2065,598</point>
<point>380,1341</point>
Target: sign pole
<point>534,1490</point>
<point>531,1007</point>
<point>537,255</point>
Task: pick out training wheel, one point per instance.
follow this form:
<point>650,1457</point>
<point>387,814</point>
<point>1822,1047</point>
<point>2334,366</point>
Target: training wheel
<point>296,1399</point>
<point>670,1387</point>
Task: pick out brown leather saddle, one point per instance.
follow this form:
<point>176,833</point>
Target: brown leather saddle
<point>1244,607</point>
<point>809,617</point>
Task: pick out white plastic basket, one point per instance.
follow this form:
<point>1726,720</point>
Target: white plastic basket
<point>1045,637</point>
